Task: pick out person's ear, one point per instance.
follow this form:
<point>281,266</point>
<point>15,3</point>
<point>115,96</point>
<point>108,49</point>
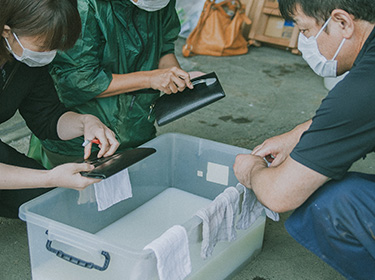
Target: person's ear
<point>6,31</point>
<point>345,21</point>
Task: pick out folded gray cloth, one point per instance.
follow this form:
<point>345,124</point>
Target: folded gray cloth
<point>218,220</point>
<point>252,209</point>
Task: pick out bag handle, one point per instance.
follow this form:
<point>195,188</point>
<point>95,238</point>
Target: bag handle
<point>238,9</point>
<point>236,3</point>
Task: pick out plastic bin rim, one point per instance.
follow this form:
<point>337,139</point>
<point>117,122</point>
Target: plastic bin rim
<point>187,137</point>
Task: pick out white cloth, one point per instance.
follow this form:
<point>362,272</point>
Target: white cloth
<point>218,220</point>
<point>86,195</point>
<point>252,209</point>
<point>150,5</point>
<point>113,190</point>
<point>172,254</point>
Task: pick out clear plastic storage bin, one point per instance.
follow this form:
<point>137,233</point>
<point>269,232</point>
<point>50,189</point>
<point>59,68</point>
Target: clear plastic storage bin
<point>73,240</point>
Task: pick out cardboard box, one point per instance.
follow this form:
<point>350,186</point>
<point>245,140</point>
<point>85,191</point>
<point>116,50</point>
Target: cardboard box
<point>288,30</point>
<point>274,27</point>
<point>271,4</point>
<point>279,28</point>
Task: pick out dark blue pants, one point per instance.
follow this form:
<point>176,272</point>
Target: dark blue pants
<point>337,223</point>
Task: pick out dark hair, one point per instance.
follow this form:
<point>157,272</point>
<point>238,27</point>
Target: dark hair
<point>321,9</point>
<point>56,20</point>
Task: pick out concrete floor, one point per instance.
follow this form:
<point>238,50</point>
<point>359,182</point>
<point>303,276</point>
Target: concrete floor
<point>269,91</point>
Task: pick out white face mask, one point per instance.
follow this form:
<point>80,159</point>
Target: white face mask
<point>151,5</point>
<point>31,58</point>
<point>311,54</point>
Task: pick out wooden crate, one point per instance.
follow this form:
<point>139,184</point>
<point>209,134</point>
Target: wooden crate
<point>269,27</point>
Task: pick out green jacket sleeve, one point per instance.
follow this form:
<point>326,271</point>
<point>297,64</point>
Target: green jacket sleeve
<point>171,28</point>
<point>77,73</point>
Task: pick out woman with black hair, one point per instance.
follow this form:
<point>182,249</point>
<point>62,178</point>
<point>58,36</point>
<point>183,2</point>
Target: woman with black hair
<point>116,70</point>
<point>31,32</point>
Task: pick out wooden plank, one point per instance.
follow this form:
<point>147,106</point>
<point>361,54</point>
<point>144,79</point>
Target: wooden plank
<point>248,8</point>
<point>248,5</point>
<point>272,12</point>
<point>257,18</point>
<point>272,40</point>
<point>272,4</point>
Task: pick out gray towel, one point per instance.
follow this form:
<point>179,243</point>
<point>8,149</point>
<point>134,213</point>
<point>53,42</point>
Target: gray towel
<point>252,209</point>
<point>218,220</point>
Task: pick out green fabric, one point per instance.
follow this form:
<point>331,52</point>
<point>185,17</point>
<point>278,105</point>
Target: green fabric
<point>118,38</point>
<point>49,159</point>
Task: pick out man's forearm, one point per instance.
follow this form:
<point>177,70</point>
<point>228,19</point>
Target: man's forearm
<point>284,187</point>
<point>261,181</point>
<point>300,129</point>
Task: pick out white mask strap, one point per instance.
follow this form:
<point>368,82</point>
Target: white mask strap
<point>338,50</point>
<point>323,27</point>
<point>18,40</point>
<point>9,47</point>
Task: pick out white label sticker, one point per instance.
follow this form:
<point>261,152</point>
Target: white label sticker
<point>217,173</point>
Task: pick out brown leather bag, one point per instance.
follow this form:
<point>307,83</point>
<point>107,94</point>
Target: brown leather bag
<point>218,31</point>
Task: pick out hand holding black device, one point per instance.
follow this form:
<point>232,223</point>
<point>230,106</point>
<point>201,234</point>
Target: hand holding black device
<point>108,166</point>
<point>169,107</point>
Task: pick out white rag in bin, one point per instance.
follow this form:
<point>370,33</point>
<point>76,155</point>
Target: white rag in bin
<point>172,254</point>
<point>113,190</point>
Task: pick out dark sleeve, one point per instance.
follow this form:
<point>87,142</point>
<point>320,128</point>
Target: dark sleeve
<point>41,109</point>
<point>10,156</point>
<point>343,129</point>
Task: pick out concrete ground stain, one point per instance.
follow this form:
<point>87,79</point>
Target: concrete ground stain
<point>235,120</point>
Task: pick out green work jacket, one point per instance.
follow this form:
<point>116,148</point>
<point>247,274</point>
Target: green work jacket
<point>117,38</point>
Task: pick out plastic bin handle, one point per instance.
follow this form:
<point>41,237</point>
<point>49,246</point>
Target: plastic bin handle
<point>78,261</point>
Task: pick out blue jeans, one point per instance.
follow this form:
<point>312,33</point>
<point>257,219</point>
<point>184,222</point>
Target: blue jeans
<point>337,223</point>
